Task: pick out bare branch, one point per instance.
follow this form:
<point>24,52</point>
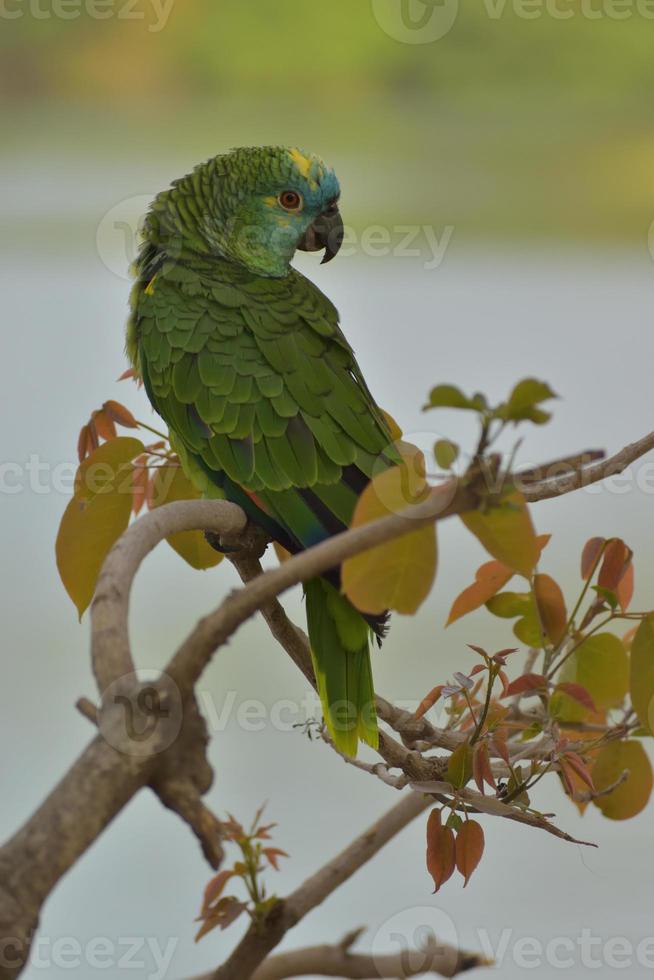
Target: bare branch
<point>583,476</point>
<point>496,808</point>
<point>338,961</point>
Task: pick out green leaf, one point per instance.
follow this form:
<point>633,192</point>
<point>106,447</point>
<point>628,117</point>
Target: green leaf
<point>446,453</point>
<point>523,400</point>
<point>171,483</point>
<point>507,533</point>
<point>508,605</point>
<point>601,666</point>
<point>632,796</point>
<point>449,396</point>
<point>459,766</point>
<point>641,683</point>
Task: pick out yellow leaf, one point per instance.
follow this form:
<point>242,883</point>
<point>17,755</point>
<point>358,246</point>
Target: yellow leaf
<point>601,666</point>
<point>96,516</point>
<point>631,796</point>
<point>642,673</point>
<point>88,530</point>
<point>398,574</point>
<point>108,468</point>
<point>507,533</point>
<point>171,483</point>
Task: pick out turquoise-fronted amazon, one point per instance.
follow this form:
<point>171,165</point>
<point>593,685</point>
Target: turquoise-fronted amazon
<point>245,361</point>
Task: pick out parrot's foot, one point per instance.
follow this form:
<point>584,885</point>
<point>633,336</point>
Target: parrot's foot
<point>252,540</point>
<point>217,543</point>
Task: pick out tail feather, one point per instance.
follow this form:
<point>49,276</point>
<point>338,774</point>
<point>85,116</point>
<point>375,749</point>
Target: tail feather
<point>340,648</point>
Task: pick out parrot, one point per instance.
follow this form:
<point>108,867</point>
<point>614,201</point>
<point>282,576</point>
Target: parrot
<point>244,359</point>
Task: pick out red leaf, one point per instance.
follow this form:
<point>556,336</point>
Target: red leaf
<point>429,700</point>
<point>481,767</point>
<point>214,889</point>
<point>625,589</point>
<point>577,764</point>
<point>616,558</point>
<point>272,853</point>
<point>590,556</point>
<point>527,684</point>
<point>440,850</point>
<point>578,692</point>
<point>469,848</point>
<point>500,745</point>
<point>120,414</point>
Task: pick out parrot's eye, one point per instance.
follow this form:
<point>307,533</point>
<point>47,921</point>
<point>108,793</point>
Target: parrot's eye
<point>290,200</point>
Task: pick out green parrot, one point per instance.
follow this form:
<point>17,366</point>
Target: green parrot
<point>245,361</point>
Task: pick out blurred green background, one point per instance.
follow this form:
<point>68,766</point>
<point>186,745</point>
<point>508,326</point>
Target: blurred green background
<point>505,126</point>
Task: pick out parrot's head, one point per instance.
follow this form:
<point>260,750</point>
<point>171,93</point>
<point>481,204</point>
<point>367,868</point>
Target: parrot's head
<point>257,205</point>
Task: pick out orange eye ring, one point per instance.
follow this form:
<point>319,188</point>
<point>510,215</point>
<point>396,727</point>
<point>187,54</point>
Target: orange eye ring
<point>290,200</point>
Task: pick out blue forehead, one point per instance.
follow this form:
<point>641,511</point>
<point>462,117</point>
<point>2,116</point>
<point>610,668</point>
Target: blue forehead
<point>311,175</point>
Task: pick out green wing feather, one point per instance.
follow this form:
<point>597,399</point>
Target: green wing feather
<point>265,399</point>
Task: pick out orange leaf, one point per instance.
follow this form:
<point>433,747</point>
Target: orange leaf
<point>440,850</point>
<point>84,445</point>
<point>489,579</point>
<point>590,555</point>
<point>551,607</point>
<point>469,848</point>
<point>120,414</point>
<point>104,426</point>
<point>429,700</point>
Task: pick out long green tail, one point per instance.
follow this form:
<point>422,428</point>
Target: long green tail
<point>340,648</point>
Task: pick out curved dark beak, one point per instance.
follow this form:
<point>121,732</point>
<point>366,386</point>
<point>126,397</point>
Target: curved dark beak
<point>326,232</point>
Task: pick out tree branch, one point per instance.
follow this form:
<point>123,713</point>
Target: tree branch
<point>583,476</point>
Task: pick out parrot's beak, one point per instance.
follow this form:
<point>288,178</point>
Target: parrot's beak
<point>326,232</point>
